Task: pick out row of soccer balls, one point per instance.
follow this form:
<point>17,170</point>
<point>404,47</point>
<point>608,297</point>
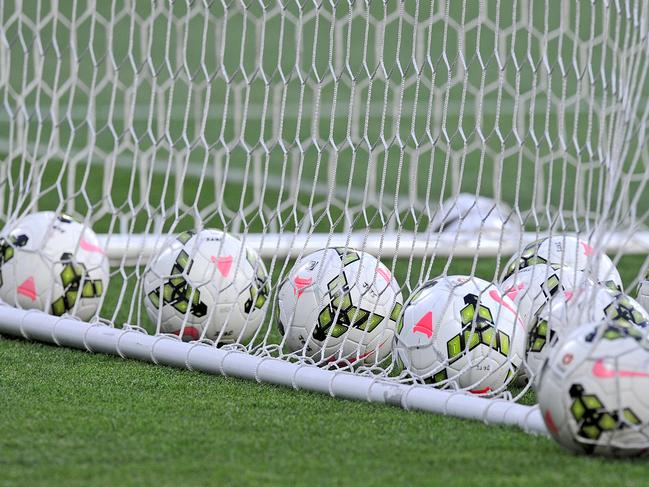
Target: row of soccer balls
<point>343,305</point>
<point>335,304</point>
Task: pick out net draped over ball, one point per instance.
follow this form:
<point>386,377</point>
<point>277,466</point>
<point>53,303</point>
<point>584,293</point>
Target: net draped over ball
<point>568,251</point>
<point>572,308</point>
<point>339,305</point>
<point>52,263</point>
<point>594,391</point>
<point>461,330</point>
<point>533,286</point>
<point>207,285</point>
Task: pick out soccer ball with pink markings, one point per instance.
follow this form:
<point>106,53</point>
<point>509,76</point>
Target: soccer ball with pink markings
<point>533,286</point>
<point>339,306</point>
<point>54,264</point>
<point>566,250</point>
<point>573,307</point>
<point>594,390</point>
<point>461,330</point>
<point>207,285</point>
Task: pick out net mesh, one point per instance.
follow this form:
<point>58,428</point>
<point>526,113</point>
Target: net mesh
<point>426,133</point>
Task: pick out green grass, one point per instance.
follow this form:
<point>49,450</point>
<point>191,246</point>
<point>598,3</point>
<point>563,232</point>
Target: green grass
<point>71,418</point>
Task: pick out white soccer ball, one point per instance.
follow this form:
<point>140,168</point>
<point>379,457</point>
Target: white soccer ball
<point>533,286</point>
<point>572,308</point>
<point>471,214</point>
<point>566,250</point>
<point>594,390</point>
<point>461,330</point>
<point>207,285</point>
<point>52,263</point>
<point>339,305</point>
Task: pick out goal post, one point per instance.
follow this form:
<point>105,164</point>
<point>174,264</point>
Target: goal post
<point>441,137</point>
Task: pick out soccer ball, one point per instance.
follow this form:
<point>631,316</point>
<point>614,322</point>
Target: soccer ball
<point>54,264</point>
<point>574,307</point>
<point>463,330</point>
<point>339,305</point>
<point>566,250</point>
<point>471,214</point>
<point>594,390</point>
<point>207,285</point>
<point>533,286</point>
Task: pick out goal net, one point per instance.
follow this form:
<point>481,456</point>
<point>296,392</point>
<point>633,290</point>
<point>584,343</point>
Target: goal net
<point>439,137</point>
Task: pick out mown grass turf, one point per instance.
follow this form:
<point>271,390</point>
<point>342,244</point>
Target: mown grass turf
<point>75,418</point>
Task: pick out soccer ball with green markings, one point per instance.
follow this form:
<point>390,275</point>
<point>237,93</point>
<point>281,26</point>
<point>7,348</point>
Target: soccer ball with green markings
<point>207,285</point>
<point>566,250</point>
<point>52,263</point>
<point>571,308</point>
<point>594,390</point>
<point>339,305</point>
<point>532,287</point>
<point>461,330</point>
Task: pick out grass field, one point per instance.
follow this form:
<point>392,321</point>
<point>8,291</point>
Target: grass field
<point>152,135</point>
<point>71,418</point>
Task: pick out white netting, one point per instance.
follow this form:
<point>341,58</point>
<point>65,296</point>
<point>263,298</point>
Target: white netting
<point>429,134</point>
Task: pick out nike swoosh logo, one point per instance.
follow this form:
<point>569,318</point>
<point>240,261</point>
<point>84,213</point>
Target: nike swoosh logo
<point>300,284</point>
<point>90,247</point>
<point>385,274</point>
<point>588,250</point>
<point>498,298</point>
<point>512,292</point>
<point>601,371</point>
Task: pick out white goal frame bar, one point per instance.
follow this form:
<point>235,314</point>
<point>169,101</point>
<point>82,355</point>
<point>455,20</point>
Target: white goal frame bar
<point>139,248</point>
<point>130,343</point>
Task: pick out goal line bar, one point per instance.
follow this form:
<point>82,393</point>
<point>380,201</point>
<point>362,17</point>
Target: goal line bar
<point>130,343</point>
<point>132,249</point>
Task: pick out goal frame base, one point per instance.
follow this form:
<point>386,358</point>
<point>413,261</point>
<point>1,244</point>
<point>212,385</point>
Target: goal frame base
<point>132,343</point>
